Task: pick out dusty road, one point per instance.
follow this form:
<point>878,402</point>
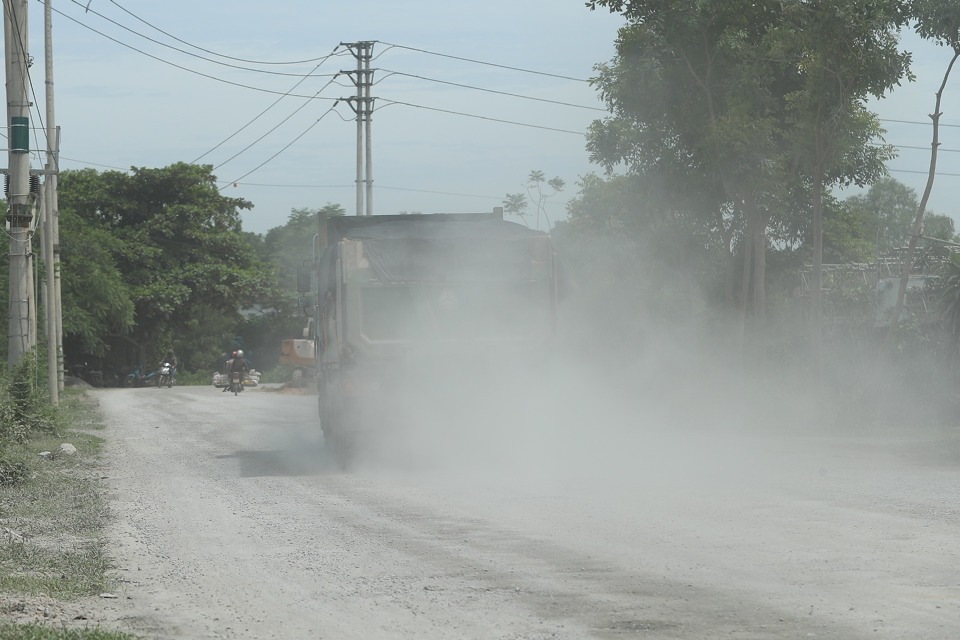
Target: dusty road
<point>231,522</point>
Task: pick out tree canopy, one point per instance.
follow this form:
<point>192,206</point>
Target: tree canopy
<point>746,113</point>
<point>154,259</point>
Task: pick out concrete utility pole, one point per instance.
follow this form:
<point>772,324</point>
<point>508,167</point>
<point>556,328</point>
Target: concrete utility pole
<point>51,227</point>
<point>19,197</point>
<point>362,105</point>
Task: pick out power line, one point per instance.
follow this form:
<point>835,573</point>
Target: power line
<point>502,93</point>
<point>94,164</point>
<point>275,127</point>
<point>289,92</point>
<point>938,174</point>
<point>188,53</point>
<point>255,118</point>
<point>181,67</point>
<point>927,124</point>
<point>907,146</point>
<point>287,146</point>
<point>219,55</point>
<point>471,115</point>
<point>488,64</point>
<point>352,186</point>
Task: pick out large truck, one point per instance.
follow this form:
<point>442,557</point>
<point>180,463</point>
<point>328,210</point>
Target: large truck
<point>401,302</point>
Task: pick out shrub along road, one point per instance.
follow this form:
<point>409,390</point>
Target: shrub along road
<point>229,521</point>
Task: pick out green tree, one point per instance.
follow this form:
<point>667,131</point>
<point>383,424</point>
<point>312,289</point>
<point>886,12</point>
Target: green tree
<point>939,226</point>
<point>292,245</point>
<point>696,102</point>
<point>886,210</point>
<point>539,191</point>
<point>96,300</point>
<point>755,106</point>
<point>287,248</point>
<point>515,204</point>
<point>939,21</point>
<point>950,303</point>
<point>845,52</point>
<point>180,249</point>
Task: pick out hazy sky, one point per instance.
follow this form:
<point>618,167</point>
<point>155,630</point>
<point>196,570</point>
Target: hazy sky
<point>148,84</point>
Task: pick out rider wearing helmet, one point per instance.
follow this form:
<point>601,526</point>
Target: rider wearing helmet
<point>239,363</point>
<point>171,359</point>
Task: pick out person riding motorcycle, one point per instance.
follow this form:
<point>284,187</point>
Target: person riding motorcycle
<point>169,357</point>
<point>238,365</point>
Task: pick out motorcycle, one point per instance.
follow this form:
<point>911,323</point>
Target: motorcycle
<point>236,382</point>
<point>137,378</point>
<point>134,378</point>
<point>166,375</point>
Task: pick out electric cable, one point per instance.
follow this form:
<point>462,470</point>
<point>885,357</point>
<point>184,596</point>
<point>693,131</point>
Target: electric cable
<point>481,62</point>
<point>471,115</point>
<point>213,53</point>
<point>915,122</point>
<point>256,117</point>
<point>188,53</point>
<point>938,174</point>
<point>285,147</point>
<point>183,68</point>
<point>275,127</point>
<point>502,93</point>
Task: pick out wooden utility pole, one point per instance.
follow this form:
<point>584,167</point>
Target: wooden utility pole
<point>362,105</point>
<point>19,197</point>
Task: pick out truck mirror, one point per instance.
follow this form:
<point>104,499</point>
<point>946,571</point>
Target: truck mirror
<point>303,279</point>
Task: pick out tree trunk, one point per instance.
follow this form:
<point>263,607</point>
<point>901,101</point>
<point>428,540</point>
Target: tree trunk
<point>746,268</point>
<point>759,221</point>
<point>918,220</point>
<point>816,284</point>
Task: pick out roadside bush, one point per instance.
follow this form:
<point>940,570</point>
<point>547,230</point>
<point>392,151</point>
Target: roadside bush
<point>23,404</point>
<point>12,471</point>
<point>185,378</point>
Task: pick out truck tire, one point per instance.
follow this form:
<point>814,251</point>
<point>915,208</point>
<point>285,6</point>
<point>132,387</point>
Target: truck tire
<point>332,424</point>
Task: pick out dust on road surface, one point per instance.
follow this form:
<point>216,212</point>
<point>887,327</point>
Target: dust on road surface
<point>230,521</point>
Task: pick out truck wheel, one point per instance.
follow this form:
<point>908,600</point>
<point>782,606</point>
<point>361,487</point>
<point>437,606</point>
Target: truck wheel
<point>332,422</point>
<point>345,451</point>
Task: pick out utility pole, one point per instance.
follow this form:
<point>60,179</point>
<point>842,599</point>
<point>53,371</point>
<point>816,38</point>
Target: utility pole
<point>51,227</point>
<point>362,105</point>
<point>19,197</point>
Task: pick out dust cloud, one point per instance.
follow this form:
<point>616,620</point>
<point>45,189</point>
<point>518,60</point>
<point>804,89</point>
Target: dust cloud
<point>620,402</point>
<point>635,391</point>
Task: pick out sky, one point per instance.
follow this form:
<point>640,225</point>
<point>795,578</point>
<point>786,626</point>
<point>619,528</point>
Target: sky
<point>469,99</point>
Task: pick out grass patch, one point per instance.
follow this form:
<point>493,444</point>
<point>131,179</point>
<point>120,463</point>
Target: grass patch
<point>52,517</point>
<point>39,632</point>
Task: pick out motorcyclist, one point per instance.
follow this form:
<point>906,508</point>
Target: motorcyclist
<point>170,357</point>
<point>228,370</point>
<point>239,364</point>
